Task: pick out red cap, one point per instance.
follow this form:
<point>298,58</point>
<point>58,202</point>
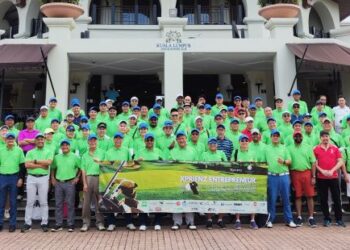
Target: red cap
<point>297,133</point>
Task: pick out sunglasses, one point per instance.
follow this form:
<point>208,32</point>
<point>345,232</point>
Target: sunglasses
<point>150,139</point>
<point>286,115</point>
<point>196,134</point>
<point>241,113</point>
<point>244,140</point>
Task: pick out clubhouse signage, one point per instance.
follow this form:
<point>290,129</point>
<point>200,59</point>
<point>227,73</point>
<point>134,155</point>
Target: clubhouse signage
<point>173,42</point>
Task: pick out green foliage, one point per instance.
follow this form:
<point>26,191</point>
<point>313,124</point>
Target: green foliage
<point>263,3</point>
<point>60,1</point>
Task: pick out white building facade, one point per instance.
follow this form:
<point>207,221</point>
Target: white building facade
<point>167,47</point>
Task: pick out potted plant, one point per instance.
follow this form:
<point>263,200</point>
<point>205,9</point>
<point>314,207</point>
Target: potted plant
<point>279,8</point>
<point>61,8</point>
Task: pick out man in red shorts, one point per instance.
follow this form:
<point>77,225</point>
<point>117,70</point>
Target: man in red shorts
<point>302,172</point>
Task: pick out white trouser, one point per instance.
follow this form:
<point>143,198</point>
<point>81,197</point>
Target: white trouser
<point>177,218</point>
<point>40,186</point>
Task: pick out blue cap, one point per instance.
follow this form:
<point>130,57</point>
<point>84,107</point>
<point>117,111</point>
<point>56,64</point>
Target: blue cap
<point>70,128</point>
<point>270,119</point>
<point>180,133</point>
<point>242,137</point>
<point>85,127</point>
<point>195,130</point>
<point>221,126</point>
<point>230,108</point>
<point>84,118</point>
<point>103,103</point>
<point>65,141</point>
<point>275,132</point>
<point>125,103</point>
<point>322,114</point>
<point>92,136</point>
<point>55,120</point>
<point>348,118</point>
<point>9,117</point>
<point>296,92</point>
<point>118,135</point>
<point>308,124</point>
<point>212,140</point>
<point>237,97</point>
<point>136,108</point>
<point>39,135</point>
<point>307,115</point>
<point>157,106</point>
<point>149,135</point>
<point>219,96</point>
<point>168,123</point>
<point>53,99</point>
<point>252,106</point>
<point>152,116</point>
<point>143,125</point>
<point>74,101</point>
<point>234,120</point>
<point>297,122</point>
<point>258,98</point>
<point>207,106</point>
<point>10,135</point>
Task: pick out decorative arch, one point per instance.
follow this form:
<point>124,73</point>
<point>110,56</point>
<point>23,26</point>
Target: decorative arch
<point>9,19</point>
<point>322,10</point>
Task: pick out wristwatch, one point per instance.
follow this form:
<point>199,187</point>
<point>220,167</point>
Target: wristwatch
<point>35,161</point>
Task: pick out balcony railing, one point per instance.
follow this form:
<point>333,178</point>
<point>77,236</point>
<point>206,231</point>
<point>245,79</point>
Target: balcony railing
<point>319,33</point>
<point>212,15</point>
<point>9,32</point>
<point>38,28</point>
<point>129,15</point>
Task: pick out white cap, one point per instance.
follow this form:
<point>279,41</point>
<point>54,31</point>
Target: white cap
<point>255,130</point>
<point>248,119</point>
<point>44,107</point>
<point>285,112</point>
<point>133,116</point>
<point>198,117</point>
<point>179,95</point>
<point>134,98</point>
<point>110,100</point>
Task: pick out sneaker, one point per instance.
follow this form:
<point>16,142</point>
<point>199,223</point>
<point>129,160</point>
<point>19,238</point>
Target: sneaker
<point>26,228</point>
<point>221,224</point>
<point>12,229</point>
<point>299,222</point>
<point>237,225</point>
<point>19,197</point>
<point>71,228</point>
<point>57,228</point>
<point>209,224</point>
<point>157,228</point>
<point>111,228</point>
<point>312,222</point>
<point>142,228</point>
<point>253,225</point>
<point>7,214</point>
<point>326,223</point>
<point>100,227</point>
<point>269,224</point>
<point>131,227</point>
<point>340,223</point>
<point>84,228</point>
<point>175,227</point>
<point>192,227</point>
<point>45,228</point>
<point>291,224</point>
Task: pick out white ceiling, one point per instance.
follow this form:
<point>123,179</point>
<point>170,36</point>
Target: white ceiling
<point>194,63</point>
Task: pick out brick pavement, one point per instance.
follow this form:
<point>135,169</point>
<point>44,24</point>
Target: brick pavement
<point>280,237</point>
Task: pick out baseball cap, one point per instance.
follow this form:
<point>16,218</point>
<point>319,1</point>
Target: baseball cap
<point>84,118</point>
<point>125,103</point>
<point>221,126</point>
<point>103,103</point>
<point>285,112</point>
<point>179,95</point>
<point>297,122</point>
<point>212,140</point>
<point>258,98</point>
<point>118,135</point>
<point>180,133</point>
<point>194,130</point>
<point>237,97</point>
<point>92,136</point>
<point>149,135</point>
<point>75,104</point>
<point>218,115</point>
<point>93,109</point>
<point>44,108</point>
<point>65,141</point>
<point>278,99</point>
<point>152,116</point>
<point>53,99</point>
<point>270,119</point>
<point>9,117</point>
<point>49,131</point>
<point>122,121</point>
<point>230,108</point>
<point>102,125</point>
<point>168,124</point>
<point>207,106</point>
<point>242,137</point>
<point>143,125</point>
<point>308,124</point>
<point>326,120</point>
<point>10,135</point>
<point>159,98</point>
<point>198,117</point>
<point>248,119</point>
<point>295,104</point>
<point>85,127</point>
<point>112,107</point>
<point>275,132</point>
<point>133,116</point>
<point>30,118</point>
<point>219,96</point>
<point>322,114</point>
<point>255,130</point>
<point>134,98</point>
<point>70,128</point>
<point>252,106</point>
<point>55,120</point>
<point>136,108</point>
<point>296,92</point>
<point>110,100</point>
<point>307,115</point>
<point>157,106</point>
<point>297,133</point>
<point>69,113</point>
<point>75,101</point>
<point>234,120</point>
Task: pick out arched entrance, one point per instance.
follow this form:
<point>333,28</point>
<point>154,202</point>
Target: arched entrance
<point>320,20</point>
<point>8,19</point>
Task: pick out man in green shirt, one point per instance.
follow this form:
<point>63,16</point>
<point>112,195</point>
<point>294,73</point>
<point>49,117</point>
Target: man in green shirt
<point>219,99</point>
<point>44,121</point>
<point>112,121</point>
<point>183,152</point>
<point>233,133</point>
<point>149,152</point>
<point>153,125</point>
<point>102,116</point>
<point>90,169</point>
<point>166,141</point>
<point>277,113</point>
<point>278,182</point>
<point>10,123</point>
<point>125,111</point>
<point>309,136</point>
<point>54,113</point>
<point>65,174</point>
<point>297,98</point>
<point>335,138</point>
<point>103,141</point>
<point>257,146</point>
<point>285,127</point>
<point>11,177</point>
<point>303,173</point>
<point>37,163</point>
<point>50,144</point>
<point>194,142</point>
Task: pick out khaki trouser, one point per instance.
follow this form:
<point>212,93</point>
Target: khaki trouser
<point>91,195</point>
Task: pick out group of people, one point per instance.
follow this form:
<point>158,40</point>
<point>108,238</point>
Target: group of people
<point>63,153</point>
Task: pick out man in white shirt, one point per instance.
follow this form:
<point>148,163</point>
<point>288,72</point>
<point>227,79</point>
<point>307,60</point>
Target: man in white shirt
<point>340,112</point>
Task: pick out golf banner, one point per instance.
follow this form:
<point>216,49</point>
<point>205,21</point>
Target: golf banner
<point>176,187</point>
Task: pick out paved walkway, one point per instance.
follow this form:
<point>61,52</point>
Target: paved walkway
<point>280,237</point>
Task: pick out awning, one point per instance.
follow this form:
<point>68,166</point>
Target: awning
<point>22,55</point>
<point>322,52</point>
<point>344,8</point>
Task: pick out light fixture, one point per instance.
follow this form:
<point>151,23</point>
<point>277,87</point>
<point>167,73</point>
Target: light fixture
<point>75,89</point>
<point>173,12</point>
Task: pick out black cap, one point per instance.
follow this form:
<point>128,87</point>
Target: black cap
<point>113,107</point>
<point>93,109</point>
<point>322,133</point>
<point>30,118</point>
<point>102,125</point>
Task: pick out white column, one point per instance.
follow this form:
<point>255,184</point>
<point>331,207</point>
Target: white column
<point>58,62</point>
<point>281,28</point>
<point>224,85</point>
<point>173,77</point>
<point>256,26</point>
<point>83,21</point>
<point>166,5</point>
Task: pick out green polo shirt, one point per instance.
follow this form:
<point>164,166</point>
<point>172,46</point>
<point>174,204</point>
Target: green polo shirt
<point>199,147</point>
<point>233,136</point>
<point>277,115</point>
<point>14,130</point>
<point>55,114</point>
<point>138,144</point>
<point>112,126</point>
<point>311,139</point>
<point>10,159</point>
<point>123,116</point>
<point>286,129</point>
<point>216,109</point>
<point>51,146</point>
<point>88,165</point>
<point>272,153</point>
<point>117,154</point>
<point>66,166</point>
<point>259,151</point>
<point>303,106</point>
<point>183,154</point>
<point>218,155</point>
<point>58,137</point>
<point>163,143</point>
<point>62,129</point>
<point>244,156</point>
<point>93,125</point>
<point>82,145</point>
<point>156,131</point>
<point>346,157</point>
<point>42,123</point>
<point>103,142</point>
<point>39,154</point>
<point>302,156</point>
<point>102,117</point>
<point>149,155</point>
<point>266,137</point>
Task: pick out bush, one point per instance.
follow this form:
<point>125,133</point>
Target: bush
<point>263,3</point>
<point>60,1</point>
